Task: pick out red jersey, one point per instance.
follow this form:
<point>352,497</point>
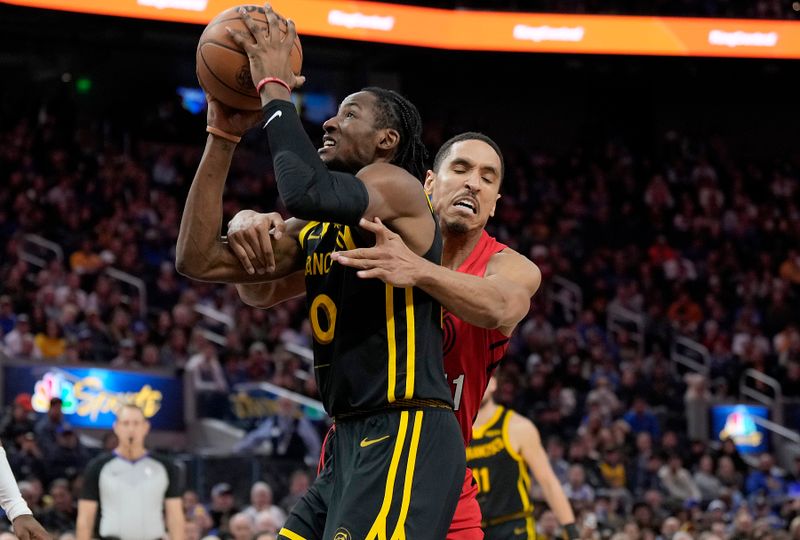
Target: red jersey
<point>471,354</point>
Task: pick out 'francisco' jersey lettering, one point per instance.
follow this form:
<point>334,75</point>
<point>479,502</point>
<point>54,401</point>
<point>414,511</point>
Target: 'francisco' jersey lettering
<point>374,344</point>
<point>471,353</point>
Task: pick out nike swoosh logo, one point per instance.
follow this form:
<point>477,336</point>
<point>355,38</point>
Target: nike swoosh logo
<point>520,530</point>
<point>276,114</point>
<point>366,442</point>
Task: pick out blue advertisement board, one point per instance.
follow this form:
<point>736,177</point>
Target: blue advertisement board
<point>91,396</point>
<point>738,422</point>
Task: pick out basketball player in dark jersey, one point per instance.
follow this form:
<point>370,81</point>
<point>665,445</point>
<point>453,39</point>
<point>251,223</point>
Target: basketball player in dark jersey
<point>504,446</point>
<point>395,469</point>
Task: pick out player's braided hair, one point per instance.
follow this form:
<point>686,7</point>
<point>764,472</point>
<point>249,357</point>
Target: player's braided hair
<point>395,111</point>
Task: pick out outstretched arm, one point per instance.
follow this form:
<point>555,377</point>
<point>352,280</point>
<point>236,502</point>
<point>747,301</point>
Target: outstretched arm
<point>525,437</point>
<point>499,299</point>
<point>201,253</point>
<point>308,189</point>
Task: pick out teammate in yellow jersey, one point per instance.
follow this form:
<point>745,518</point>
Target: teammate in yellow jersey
<point>504,447</point>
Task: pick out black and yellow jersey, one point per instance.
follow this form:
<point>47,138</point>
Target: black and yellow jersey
<point>500,472</point>
<point>374,345</point>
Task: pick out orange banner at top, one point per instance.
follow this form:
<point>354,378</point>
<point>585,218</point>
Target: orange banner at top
<point>484,30</point>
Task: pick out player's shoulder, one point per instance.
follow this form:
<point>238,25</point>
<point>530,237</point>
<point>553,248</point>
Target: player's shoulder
<point>521,424</point>
<point>388,174</point>
<point>510,260</point>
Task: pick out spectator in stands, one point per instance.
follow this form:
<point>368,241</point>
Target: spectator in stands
<point>728,449</point>
<point>790,268</point>
<point>555,453</point>
<point>126,355</point>
<point>29,460</point>
<point>299,483</point>
<point>69,456</point>
<point>191,530</point>
<point>32,495</point>
<point>8,319</point>
<point>102,345</point>
<point>605,397</point>
<point>18,420</point>
<point>240,527</point>
<point>175,352</point>
<point>290,434</point>
<point>15,338</point>
<point>266,522</point>
<point>614,473</point>
<point>790,381</point>
<point>222,507</point>
<point>61,516</point>
<point>84,260</point>
<point>194,512</point>
<point>641,419</point>
<point>208,379</point>
<point>678,481</point>
<point>706,481</point>
<point>576,489</point>
<point>47,426</point>
<point>728,475</point>
<point>685,313</point>
<point>261,501</point>
<point>766,480</point>
<point>547,526</point>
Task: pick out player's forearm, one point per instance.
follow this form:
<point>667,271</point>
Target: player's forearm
<point>557,501</point>
<point>475,300</point>
<point>265,295</point>
<point>308,189</point>
<point>201,253</point>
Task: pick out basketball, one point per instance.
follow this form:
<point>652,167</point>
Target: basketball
<point>223,69</point>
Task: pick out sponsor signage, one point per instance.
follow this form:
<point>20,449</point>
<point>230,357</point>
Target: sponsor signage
<point>485,30</point>
<point>91,396</point>
<point>251,403</point>
<point>739,422</point>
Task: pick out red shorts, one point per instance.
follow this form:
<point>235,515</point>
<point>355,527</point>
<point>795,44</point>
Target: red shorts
<point>466,523</point>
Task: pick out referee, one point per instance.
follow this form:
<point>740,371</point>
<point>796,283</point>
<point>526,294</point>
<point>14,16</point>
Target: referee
<point>131,488</point>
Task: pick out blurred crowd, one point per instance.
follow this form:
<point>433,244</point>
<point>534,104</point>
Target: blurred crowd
<point>759,9</point>
<point>701,242</point>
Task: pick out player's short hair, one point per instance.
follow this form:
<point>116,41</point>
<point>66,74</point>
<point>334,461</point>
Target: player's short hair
<point>468,136</point>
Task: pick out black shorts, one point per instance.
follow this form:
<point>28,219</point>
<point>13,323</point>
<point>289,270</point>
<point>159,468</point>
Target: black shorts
<point>393,475</point>
<point>516,529</point>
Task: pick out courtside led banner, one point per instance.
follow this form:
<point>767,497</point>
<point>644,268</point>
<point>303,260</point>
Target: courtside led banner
<point>91,396</point>
<point>484,30</point>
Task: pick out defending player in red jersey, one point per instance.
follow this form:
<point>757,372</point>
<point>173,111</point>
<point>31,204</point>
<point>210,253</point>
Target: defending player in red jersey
<point>484,285</point>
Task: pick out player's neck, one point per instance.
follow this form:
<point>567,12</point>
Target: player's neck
<point>458,246</point>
